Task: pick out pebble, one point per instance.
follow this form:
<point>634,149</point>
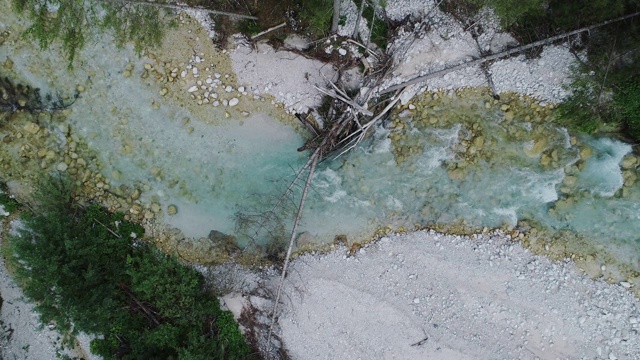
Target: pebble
<point>234,102</point>
<point>192,89</point>
<point>136,194</point>
<point>172,209</point>
<point>62,166</point>
<point>155,207</point>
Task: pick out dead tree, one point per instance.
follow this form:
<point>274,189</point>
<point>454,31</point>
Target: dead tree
<point>18,97</point>
<point>355,30</point>
<point>503,54</point>
<point>335,21</point>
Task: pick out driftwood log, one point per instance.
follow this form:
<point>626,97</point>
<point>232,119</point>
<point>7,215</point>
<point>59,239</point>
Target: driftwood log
<point>503,54</point>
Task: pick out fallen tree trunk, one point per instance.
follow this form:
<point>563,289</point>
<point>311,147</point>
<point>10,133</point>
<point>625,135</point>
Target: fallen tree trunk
<point>500,55</point>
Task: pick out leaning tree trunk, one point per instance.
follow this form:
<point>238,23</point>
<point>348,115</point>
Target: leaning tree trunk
<point>336,16</point>
<point>355,30</point>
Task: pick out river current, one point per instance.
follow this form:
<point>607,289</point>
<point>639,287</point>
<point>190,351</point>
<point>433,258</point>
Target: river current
<point>459,161</point>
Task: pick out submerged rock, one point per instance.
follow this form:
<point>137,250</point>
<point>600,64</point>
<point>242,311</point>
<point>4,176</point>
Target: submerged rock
<point>220,237</point>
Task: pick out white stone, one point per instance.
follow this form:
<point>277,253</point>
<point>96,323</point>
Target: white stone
<point>192,89</point>
<point>62,166</point>
<point>297,42</point>
<point>342,51</point>
<point>234,102</point>
<point>195,71</point>
<point>229,88</point>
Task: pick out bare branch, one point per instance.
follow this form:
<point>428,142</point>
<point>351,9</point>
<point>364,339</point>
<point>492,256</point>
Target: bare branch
<point>268,30</point>
<point>503,54</point>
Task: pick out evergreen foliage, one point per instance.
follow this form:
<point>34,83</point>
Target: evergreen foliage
<point>605,89</point>
<point>317,14</point>
<point>6,201</point>
<point>86,272</point>
<point>72,22</point>
<point>627,101</point>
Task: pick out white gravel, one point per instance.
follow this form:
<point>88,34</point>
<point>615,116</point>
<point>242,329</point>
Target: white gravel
<point>431,296</point>
<point>439,42</point>
<point>290,78</point>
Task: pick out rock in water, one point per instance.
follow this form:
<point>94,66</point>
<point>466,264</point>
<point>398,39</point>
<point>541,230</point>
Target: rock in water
<point>220,237</point>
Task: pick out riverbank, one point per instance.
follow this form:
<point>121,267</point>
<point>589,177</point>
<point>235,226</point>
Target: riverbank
<point>429,295</point>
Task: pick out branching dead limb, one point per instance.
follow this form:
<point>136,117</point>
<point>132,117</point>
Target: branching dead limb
<point>268,30</point>
<point>314,161</point>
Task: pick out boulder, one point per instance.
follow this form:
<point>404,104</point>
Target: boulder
<point>220,237</point>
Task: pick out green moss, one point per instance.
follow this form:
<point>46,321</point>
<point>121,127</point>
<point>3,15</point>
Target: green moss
<point>250,27</point>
